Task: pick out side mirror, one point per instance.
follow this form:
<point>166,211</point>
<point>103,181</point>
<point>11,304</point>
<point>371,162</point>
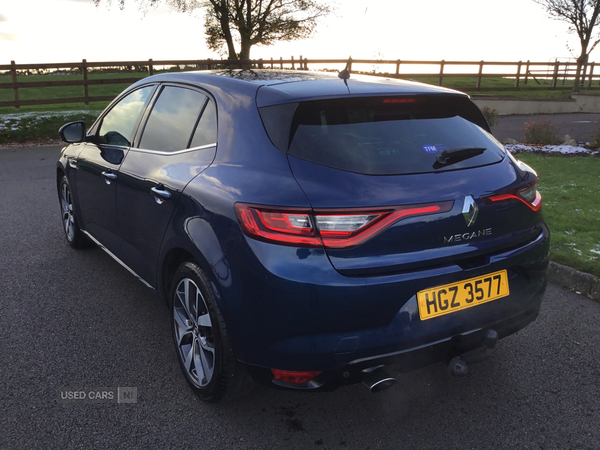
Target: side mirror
<point>73,132</point>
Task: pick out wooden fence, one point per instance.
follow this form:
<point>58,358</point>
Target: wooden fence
<point>521,72</point>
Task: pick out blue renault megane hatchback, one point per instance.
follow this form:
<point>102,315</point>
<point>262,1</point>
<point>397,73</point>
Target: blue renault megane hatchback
<point>308,231</point>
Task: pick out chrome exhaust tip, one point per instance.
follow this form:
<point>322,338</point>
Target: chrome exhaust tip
<point>377,379</point>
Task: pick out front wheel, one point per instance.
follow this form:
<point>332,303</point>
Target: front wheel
<point>74,235</point>
<point>201,339</point>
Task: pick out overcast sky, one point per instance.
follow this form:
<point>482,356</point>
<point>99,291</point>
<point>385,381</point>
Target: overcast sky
<point>35,31</point>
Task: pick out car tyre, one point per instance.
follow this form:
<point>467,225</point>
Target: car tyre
<point>201,339</point>
<point>75,237</point>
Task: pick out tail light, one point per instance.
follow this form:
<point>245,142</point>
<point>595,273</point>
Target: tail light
<point>399,100</point>
<point>293,377</point>
<point>330,228</point>
<point>528,195</point>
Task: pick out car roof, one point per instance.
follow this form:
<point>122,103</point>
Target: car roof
<point>289,86</point>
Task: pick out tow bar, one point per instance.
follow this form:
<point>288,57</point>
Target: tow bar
<point>459,366</point>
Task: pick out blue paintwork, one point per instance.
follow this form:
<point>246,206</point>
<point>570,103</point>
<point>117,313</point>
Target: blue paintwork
<point>310,309</point>
<point>96,194</point>
<point>137,209</point>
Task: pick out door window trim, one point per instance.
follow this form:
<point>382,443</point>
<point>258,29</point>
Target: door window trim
<point>178,152</point>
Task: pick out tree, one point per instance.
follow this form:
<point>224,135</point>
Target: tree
<point>248,22</point>
<point>582,16</point>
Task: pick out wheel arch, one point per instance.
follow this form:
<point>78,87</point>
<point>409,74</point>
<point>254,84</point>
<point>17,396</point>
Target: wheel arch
<point>60,173</point>
<point>193,240</point>
<point>174,258</point>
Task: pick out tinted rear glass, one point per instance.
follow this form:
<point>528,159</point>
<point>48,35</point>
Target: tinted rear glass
<point>385,136</point>
<point>172,119</point>
<point>206,130</point>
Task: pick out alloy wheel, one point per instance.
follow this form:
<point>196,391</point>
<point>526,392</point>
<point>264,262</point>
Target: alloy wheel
<point>66,203</point>
<point>193,333</point>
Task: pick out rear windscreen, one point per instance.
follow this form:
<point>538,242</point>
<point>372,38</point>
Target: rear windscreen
<point>385,136</point>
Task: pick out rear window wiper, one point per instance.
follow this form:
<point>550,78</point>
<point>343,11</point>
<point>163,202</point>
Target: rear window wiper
<point>456,154</point>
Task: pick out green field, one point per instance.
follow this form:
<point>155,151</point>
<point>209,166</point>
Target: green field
<point>63,91</point>
<point>571,207</point>
<point>40,126</point>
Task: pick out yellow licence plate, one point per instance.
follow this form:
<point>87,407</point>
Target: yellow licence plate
<point>465,294</point>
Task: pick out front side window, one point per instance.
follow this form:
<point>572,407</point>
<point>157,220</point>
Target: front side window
<point>172,119</point>
<point>117,126</point>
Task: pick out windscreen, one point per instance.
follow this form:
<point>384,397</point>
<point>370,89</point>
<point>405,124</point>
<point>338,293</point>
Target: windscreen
<point>386,136</point>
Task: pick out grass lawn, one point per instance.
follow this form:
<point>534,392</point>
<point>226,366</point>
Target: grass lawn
<point>36,126</point>
<point>63,91</point>
<point>571,207</point>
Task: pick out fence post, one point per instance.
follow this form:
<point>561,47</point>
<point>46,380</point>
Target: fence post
<point>150,68</point>
<point>526,73</point>
<point>478,85</point>
<point>398,67</point>
<point>13,74</point>
<point>591,75</point>
<point>301,62</point>
<point>84,73</point>
<point>305,63</point>
<point>281,62</point>
<point>442,62</point>
<point>555,75</point>
<point>518,73</point>
<point>260,64</point>
<point>583,75</point>
<point>271,62</point>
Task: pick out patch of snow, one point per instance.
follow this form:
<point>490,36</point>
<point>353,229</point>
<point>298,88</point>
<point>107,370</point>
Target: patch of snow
<point>12,121</point>
<point>563,149</point>
<point>43,114</point>
<point>576,250</point>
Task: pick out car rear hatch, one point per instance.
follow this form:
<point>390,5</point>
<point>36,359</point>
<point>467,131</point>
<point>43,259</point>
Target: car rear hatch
<point>404,183</point>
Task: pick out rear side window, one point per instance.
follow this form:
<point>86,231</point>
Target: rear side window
<point>385,136</point>
<point>173,119</point>
<point>206,130</point>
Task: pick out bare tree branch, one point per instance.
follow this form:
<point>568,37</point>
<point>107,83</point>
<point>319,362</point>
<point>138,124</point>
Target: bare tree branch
<point>583,17</point>
<point>247,22</point>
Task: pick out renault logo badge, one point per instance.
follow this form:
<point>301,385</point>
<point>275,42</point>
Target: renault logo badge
<point>470,210</point>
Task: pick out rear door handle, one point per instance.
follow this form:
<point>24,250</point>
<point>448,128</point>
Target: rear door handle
<point>109,176</point>
<point>160,194</point>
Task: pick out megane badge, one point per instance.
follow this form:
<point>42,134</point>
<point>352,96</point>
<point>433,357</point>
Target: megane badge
<point>470,210</point>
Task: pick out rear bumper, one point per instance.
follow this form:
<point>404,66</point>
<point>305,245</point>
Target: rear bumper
<point>409,359</point>
<point>297,313</point>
